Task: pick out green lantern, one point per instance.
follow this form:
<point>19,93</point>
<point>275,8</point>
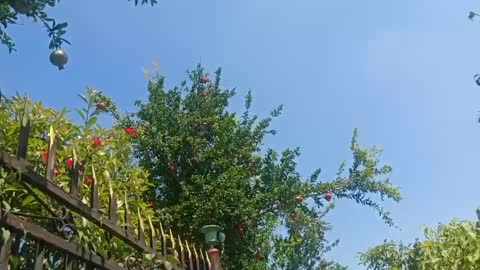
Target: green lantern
<point>213,236</point>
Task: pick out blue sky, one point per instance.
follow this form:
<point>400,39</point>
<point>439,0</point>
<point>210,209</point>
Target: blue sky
<point>402,72</point>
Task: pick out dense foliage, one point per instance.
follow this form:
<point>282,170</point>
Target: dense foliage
<point>452,246</point>
<point>11,11</point>
<point>105,155</point>
<point>209,165</point>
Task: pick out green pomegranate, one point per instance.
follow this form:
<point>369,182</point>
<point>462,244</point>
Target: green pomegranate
<point>23,6</point>
<point>59,58</point>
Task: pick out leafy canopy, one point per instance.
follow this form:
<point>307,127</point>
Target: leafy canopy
<point>12,11</point>
<point>210,166</point>
<point>452,246</point>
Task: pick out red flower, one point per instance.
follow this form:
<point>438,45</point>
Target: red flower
<point>88,180</point>
<point>131,131</point>
<point>69,162</point>
<point>45,157</point>
<point>97,142</point>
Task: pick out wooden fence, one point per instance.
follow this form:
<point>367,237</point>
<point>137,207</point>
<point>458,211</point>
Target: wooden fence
<point>146,239</point>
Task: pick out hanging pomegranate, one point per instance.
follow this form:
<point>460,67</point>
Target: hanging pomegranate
<point>22,6</point>
<point>102,105</point>
<point>59,58</point>
<point>299,198</point>
<point>328,196</point>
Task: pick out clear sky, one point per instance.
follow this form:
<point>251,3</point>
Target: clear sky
<point>400,71</point>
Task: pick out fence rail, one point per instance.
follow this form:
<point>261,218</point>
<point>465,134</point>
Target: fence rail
<point>143,240</point>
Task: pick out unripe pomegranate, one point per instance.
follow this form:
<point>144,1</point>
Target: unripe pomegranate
<point>299,198</point>
<point>22,6</point>
<point>241,230</point>
<point>102,105</point>
<point>58,58</point>
<point>205,79</point>
<point>172,168</point>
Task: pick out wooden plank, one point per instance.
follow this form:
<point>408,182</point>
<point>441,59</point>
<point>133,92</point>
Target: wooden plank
<point>67,262</point>
<point>127,218</point>
<point>71,202</point>
<point>112,204</point>
<point>203,259</point>
<point>23,140</point>
<point>5,250</point>
<point>141,227</point>
<point>52,156</point>
<point>182,252</point>
<point>189,252</point>
<point>74,180</point>
<point>94,191</point>
<point>40,234</point>
<point>197,259</point>
<point>39,256</point>
<point>153,240</point>
<point>207,257</point>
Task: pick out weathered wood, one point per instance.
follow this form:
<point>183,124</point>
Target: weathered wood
<point>5,250</point>
<point>182,251</point>
<point>127,219</point>
<point>52,156</point>
<point>67,262</point>
<point>94,191</point>
<point>164,241</point>
<point>197,259</point>
<point>153,240</point>
<point>71,202</point>
<point>189,252</point>
<point>141,227</point>
<point>209,264</point>
<point>40,234</point>
<point>203,259</point>
<point>23,140</point>
<point>39,256</point>
<point>112,209</point>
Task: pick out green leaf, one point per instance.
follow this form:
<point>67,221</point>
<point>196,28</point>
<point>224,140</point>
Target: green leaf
<point>92,121</point>
<point>28,200</point>
<point>173,259</point>
<point>6,206</point>
<point>80,113</point>
<point>5,235</point>
<point>84,98</point>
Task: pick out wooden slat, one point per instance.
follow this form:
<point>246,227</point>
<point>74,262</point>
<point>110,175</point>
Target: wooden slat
<point>197,259</point>
<point>141,227</point>
<point>23,140</point>
<point>67,262</point>
<point>164,241</point>
<point>127,219</point>
<point>5,250</point>
<point>182,251</point>
<point>71,202</point>
<point>52,156</point>
<point>204,263</point>
<point>74,181</point>
<point>39,256</point>
<point>40,234</point>
<point>153,240</point>
<point>189,252</point>
<point>207,257</point>
<point>94,191</point>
